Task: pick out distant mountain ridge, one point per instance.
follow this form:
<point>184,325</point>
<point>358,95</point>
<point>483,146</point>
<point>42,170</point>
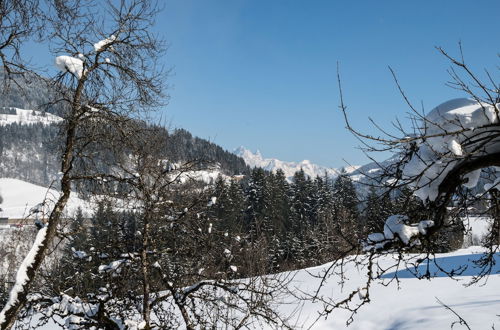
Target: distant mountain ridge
<point>362,176</point>
<point>289,168</point>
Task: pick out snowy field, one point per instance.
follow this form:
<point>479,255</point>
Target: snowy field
<point>412,305</point>
<point>19,197</point>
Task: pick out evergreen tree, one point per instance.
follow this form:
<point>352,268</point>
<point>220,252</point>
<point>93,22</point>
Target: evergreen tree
<point>220,192</point>
<point>235,208</point>
<point>345,194</point>
<point>106,235</point>
<point>378,208</point>
<point>301,202</point>
<point>345,203</point>
<point>279,202</point>
<point>256,203</point>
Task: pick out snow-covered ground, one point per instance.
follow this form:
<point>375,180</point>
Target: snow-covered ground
<point>412,305</point>
<point>19,197</point>
<point>477,228</point>
<point>289,168</point>
<point>207,176</point>
<point>28,117</point>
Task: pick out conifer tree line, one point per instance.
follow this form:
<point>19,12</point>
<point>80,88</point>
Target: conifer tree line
<point>308,221</point>
<point>267,224</point>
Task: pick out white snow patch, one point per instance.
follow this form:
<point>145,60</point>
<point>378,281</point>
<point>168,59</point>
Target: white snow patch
<point>103,43</point>
<point>455,147</point>
<point>79,254</point>
<point>212,201</point>
<point>114,266</point>
<point>20,196</point>
<point>70,64</point>
<point>424,225</point>
<point>29,117</point>
<point>376,237</point>
<point>472,179</point>
<point>476,230</point>
<point>446,127</point>
<point>395,225</point>
<point>494,185</point>
<point>22,276</point>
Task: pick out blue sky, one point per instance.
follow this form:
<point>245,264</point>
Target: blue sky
<point>263,73</point>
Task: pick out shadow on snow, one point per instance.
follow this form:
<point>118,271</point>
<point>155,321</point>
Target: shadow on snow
<point>463,265</point>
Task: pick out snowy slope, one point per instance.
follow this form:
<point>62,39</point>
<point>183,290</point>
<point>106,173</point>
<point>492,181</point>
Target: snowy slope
<point>411,305</point>
<point>20,196</point>
<point>28,117</point>
<point>414,304</point>
<point>476,230</point>
<point>289,168</point>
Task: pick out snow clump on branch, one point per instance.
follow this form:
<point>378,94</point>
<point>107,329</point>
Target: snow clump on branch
<point>70,64</point>
<point>396,228</point>
<point>103,43</point>
<point>450,134</point>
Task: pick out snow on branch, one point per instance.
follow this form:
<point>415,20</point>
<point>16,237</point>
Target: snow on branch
<point>452,132</point>
<point>98,46</point>
<point>70,64</point>
<point>22,277</point>
<point>396,228</point>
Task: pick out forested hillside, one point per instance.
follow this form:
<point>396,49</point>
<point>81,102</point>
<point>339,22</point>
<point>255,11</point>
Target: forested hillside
<point>30,150</point>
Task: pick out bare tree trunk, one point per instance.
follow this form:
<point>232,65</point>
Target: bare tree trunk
<point>34,259</point>
<point>146,307</point>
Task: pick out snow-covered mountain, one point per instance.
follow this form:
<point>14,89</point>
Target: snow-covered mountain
<point>26,117</point>
<point>289,168</point>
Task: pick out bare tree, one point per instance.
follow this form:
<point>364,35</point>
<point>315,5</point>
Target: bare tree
<point>20,21</point>
<point>440,160</point>
<point>108,75</point>
<point>449,149</point>
<point>108,82</point>
<point>175,269</point>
